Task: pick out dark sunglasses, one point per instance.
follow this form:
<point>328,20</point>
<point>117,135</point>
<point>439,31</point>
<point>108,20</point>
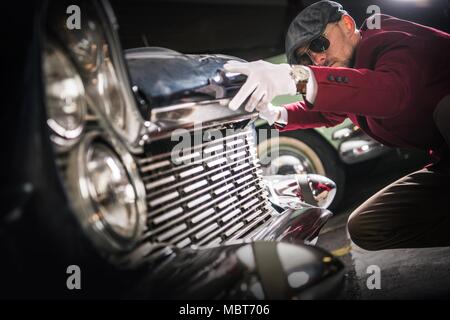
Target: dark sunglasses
<point>318,45</point>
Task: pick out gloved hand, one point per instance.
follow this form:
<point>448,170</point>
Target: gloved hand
<point>270,113</point>
<point>264,82</point>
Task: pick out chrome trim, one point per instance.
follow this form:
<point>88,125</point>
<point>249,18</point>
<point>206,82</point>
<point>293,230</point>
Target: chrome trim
<point>209,113</point>
<point>359,149</point>
<point>296,224</point>
<point>145,53</point>
<point>157,133</point>
<point>323,189</point>
<point>137,128</point>
<point>342,133</point>
<point>85,208</point>
<point>287,190</point>
<point>356,146</point>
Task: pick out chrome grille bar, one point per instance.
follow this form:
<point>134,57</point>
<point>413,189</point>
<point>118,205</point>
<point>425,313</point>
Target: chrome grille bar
<point>183,166</point>
<point>205,222</point>
<point>197,193</point>
<point>202,175</point>
<point>232,137</point>
<point>191,213</point>
<point>218,195</point>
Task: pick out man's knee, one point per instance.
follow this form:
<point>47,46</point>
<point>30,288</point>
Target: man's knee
<point>362,234</point>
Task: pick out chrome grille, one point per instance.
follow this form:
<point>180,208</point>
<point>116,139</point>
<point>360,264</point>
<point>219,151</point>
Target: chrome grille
<point>217,196</point>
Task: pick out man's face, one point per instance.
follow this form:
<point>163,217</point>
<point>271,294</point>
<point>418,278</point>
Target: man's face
<point>341,49</point>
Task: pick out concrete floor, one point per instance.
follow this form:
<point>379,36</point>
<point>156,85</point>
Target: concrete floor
<point>404,273</point>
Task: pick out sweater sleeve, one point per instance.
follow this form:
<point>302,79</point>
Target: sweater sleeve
<point>301,118</point>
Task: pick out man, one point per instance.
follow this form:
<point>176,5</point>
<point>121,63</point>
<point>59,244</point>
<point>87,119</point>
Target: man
<point>388,81</point>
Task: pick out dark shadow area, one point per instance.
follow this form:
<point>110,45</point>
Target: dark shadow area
<point>249,29</point>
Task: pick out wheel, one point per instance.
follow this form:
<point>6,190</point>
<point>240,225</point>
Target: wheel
<point>303,151</point>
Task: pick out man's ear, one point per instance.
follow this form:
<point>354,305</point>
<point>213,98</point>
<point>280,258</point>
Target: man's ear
<point>348,24</point>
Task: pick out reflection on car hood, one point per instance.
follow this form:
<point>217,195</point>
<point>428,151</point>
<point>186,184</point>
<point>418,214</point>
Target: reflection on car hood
<point>177,78</point>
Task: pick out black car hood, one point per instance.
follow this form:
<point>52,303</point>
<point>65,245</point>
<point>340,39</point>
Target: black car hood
<point>165,77</point>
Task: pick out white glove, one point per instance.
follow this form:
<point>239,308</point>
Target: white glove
<point>272,113</point>
<point>264,82</point>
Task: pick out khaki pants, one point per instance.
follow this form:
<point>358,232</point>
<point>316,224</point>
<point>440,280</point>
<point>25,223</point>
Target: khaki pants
<point>412,212</point>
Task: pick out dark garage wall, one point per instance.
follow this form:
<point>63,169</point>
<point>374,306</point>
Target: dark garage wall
<point>245,30</point>
<point>250,29</point>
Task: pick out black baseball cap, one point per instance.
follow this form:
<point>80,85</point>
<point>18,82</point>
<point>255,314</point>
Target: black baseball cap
<point>309,24</point>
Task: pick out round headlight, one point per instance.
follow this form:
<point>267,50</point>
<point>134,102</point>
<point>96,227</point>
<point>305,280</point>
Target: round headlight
<point>95,50</point>
<point>108,192</point>
<point>111,188</point>
<point>66,105</point>
<point>91,51</point>
<point>84,44</point>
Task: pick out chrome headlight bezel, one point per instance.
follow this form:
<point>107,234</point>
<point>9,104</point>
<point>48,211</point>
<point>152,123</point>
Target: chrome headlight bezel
<point>88,210</point>
<point>56,60</point>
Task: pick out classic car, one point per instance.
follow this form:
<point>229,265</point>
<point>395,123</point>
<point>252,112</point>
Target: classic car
<point>131,168</point>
